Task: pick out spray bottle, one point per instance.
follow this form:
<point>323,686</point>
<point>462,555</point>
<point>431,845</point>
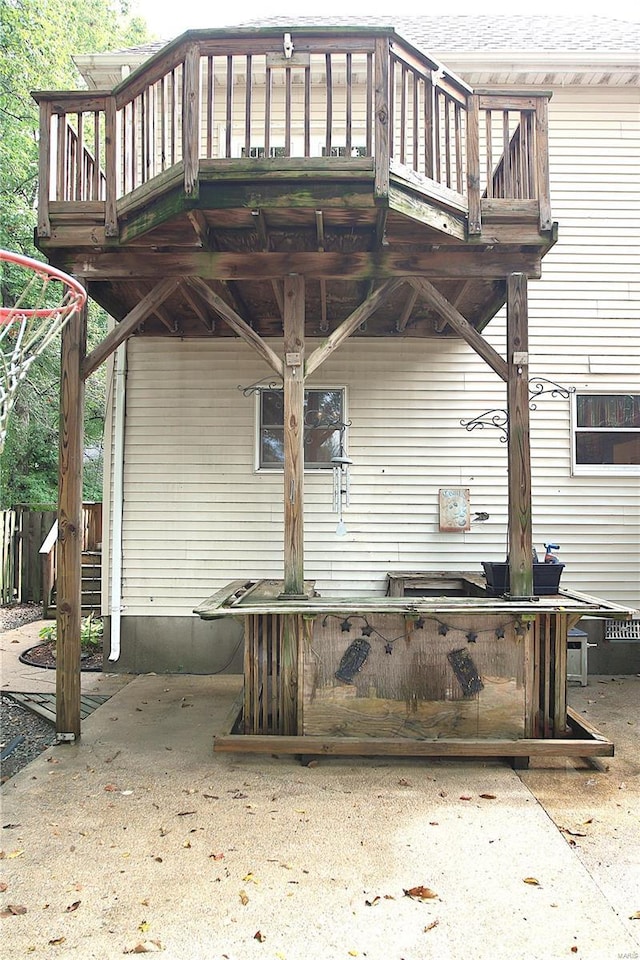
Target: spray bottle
<point>550,557</point>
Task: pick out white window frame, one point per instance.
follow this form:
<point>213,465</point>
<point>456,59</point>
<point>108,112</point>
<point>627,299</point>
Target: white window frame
<point>600,469</point>
<point>278,468</point>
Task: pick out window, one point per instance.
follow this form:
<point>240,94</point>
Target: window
<point>606,433</point>
<point>323,428</point>
<point>258,153</point>
<point>342,151</point>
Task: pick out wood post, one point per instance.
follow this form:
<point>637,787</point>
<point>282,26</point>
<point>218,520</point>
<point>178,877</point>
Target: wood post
<point>111,167</point>
<point>519,453</point>
<point>44,169</point>
<point>70,528</point>
<point>294,292</point>
<point>381,113</point>
<point>191,120</point>
<point>473,165</point>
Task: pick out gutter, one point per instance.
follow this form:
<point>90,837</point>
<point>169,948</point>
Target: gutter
<point>115,608</point>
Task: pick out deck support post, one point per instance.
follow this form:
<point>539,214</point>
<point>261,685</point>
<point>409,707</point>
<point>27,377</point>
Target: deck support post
<point>294,343</point>
<point>69,555</point>
<point>519,452</point>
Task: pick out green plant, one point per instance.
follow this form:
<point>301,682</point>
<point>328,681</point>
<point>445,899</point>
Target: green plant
<point>91,628</point>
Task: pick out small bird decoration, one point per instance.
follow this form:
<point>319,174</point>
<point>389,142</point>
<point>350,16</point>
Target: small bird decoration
<point>480,516</point>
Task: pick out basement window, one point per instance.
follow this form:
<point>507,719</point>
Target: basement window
<point>323,424</point>
<point>606,433</point>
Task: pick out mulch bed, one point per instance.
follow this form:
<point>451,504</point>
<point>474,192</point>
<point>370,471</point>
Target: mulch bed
<point>43,655</point>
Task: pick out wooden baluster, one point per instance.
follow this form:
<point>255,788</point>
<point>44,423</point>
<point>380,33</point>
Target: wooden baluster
<point>428,128</point>
<point>307,111</point>
<point>143,138</point>
<point>506,157</point>
<point>369,107</point>
<point>458,134</point>
<point>415,146</point>
<point>287,112</point>
<point>349,105</point>
<point>403,114</point>
<point>489,152</point>
<point>392,107</point>
<point>174,117</point>
<point>134,144</point>
<point>447,139</point>
<point>437,137</point>
<point>229,108</point>
<point>209,116</point>
<point>329,126</point>
<point>267,111</point>
<point>61,158</point>
<point>247,104</point>
<point>79,193</point>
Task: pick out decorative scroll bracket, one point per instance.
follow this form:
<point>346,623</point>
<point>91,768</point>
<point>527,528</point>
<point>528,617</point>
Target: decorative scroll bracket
<point>498,417</point>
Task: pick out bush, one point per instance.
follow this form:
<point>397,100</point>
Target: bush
<point>90,634</point>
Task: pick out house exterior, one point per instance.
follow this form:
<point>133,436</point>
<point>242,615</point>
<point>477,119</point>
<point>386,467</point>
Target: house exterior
<point>194,486</point>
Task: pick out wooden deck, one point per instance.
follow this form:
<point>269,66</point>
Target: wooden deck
<point>356,160</point>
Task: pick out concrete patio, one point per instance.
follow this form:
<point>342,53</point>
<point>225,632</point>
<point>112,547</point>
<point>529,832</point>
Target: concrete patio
<point>139,835</point>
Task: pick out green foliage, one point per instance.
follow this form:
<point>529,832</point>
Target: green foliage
<point>91,629</point>
<point>38,39</point>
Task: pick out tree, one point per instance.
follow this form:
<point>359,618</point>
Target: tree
<point>38,39</point>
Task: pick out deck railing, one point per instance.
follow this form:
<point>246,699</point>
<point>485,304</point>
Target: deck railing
<point>242,97</point>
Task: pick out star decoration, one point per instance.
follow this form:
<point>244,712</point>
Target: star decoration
<point>500,633</point>
<point>472,637</point>
<point>367,631</point>
<point>443,629</point>
<point>345,626</point>
<point>388,648</point>
<point>419,623</point>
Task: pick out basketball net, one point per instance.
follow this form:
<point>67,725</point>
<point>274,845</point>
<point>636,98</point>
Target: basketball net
<point>28,327</point>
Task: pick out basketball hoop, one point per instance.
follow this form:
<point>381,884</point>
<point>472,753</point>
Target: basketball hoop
<point>29,326</point>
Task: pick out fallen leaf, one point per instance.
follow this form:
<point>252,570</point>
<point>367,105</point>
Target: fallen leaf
<point>52,760</point>
<point>186,813</point>
<point>57,941</point>
<point>635,916</point>
<point>573,833</point>
<point>73,906</point>
<point>187,844</point>
<point>259,936</point>
<point>574,949</point>
<point>250,879</point>
<point>146,946</point>
<point>145,902</point>
<point>532,881</point>
<point>244,899</point>
<point>353,953</point>
<point>4,887</point>
<point>110,788</point>
<point>430,926</point>
<point>488,796</point>
<point>465,797</point>
<point>420,893</point>
<point>144,927</point>
<point>403,782</point>
<point>210,796</point>
<point>15,854</point>
<point>372,903</point>
<point>216,856</point>
<point>13,910</point>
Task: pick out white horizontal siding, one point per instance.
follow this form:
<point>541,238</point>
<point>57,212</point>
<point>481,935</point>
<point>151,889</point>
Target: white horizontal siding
<point>197,514</point>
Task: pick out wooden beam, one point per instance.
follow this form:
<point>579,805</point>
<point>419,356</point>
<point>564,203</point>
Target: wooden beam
<point>381,117</point>
<point>263,233</point>
<point>433,263</point>
<point>69,552</point>
<point>237,324</point>
<point>461,326</point>
<point>324,322</point>
<point>519,453</point>
<point>407,310</point>
<point>126,327</point>
<point>196,305</point>
<point>198,221</point>
<point>346,328</point>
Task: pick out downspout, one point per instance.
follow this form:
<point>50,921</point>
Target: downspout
<point>115,608</point>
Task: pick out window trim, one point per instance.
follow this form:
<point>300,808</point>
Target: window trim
<point>278,468</point>
<point>599,469</point>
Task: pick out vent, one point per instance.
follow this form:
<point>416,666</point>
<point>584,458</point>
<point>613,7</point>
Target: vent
<point>621,630</point>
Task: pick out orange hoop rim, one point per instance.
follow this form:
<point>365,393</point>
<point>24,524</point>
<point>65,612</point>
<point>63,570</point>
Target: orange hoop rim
<point>73,299</point>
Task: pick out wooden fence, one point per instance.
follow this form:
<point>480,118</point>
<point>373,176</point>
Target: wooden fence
<point>22,533</point>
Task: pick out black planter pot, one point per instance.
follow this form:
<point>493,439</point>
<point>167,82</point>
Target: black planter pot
<point>546,578</point>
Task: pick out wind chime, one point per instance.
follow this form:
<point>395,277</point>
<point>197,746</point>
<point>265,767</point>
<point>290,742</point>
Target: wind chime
<point>341,483</point>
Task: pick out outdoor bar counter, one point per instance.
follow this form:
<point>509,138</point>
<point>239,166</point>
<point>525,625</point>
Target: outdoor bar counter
<point>448,672</point>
